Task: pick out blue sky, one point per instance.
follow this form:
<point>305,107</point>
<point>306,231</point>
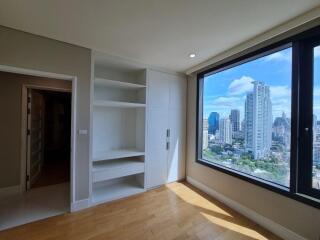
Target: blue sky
<point>227,90</point>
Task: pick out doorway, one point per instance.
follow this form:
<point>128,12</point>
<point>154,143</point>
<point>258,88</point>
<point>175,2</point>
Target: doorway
<point>48,138</point>
<point>52,190</point>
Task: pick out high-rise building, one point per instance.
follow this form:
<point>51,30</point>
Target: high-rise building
<point>314,126</point>
<point>243,126</point>
<point>316,152</point>
<point>258,115</point>
<point>281,130</point>
<point>316,140</point>
<point>205,135</point>
<point>248,122</point>
<point>213,122</point>
<point>235,120</point>
<point>225,131</point>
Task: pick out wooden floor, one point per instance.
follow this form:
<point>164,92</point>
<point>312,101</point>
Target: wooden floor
<point>176,211</point>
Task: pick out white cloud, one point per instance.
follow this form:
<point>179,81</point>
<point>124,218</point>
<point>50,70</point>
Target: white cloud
<point>226,101</point>
<point>281,100</point>
<point>280,92</point>
<point>278,56</point>
<point>223,105</point>
<point>241,86</point>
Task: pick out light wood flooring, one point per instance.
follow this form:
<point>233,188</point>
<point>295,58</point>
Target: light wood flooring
<point>175,211</point>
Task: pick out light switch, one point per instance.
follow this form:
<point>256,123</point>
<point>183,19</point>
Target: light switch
<point>82,131</point>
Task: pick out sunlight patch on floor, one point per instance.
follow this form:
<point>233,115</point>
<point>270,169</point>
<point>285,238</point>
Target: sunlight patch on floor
<point>234,227</point>
<point>197,200</point>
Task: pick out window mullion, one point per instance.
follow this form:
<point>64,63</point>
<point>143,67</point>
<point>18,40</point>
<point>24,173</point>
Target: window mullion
<point>305,118</point>
<point>294,117</point>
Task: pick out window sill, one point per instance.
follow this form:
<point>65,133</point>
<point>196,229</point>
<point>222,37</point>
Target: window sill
<point>263,183</point>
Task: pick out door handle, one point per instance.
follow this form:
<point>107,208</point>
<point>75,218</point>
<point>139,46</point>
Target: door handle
<point>168,139</point>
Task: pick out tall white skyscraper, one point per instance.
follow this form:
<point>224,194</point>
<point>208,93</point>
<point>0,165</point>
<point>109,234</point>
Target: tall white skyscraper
<point>258,115</point>
<point>225,130</point>
<point>248,123</point>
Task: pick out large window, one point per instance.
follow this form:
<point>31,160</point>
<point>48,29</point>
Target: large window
<point>259,117</point>
<point>316,119</point>
<point>247,117</point>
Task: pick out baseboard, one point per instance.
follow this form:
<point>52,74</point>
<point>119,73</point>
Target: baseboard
<point>261,220</point>
<point>10,191</point>
<point>79,205</point>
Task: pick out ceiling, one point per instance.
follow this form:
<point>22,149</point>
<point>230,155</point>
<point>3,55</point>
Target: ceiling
<point>156,32</point>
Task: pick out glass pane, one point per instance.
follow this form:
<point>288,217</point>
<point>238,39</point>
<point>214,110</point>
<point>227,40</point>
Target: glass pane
<point>246,117</point>
<point>316,119</point>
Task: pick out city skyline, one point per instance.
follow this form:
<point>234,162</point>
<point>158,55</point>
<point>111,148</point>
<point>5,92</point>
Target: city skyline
<point>227,90</point>
<point>261,147</point>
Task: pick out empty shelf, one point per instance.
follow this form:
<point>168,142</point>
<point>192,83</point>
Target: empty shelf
<point>117,84</point>
<point>116,168</point>
<point>103,193</point>
<point>113,154</point>
<point>104,103</point>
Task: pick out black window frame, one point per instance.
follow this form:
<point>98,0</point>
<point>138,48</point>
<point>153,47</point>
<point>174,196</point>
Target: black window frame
<point>306,124</point>
<point>300,187</point>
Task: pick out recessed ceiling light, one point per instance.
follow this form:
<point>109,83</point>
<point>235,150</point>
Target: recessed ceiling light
<point>192,55</point>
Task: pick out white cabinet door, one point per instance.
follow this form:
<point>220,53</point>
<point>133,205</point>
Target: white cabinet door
<point>157,125</point>
<point>177,126</point>
<point>158,89</point>
<point>156,165</point>
<point>166,101</point>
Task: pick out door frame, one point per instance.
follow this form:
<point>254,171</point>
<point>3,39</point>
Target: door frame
<point>56,76</point>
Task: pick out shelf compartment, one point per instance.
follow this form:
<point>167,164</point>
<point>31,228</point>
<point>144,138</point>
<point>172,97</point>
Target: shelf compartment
<point>117,84</point>
<point>116,189</point>
<point>114,154</point>
<point>107,170</point>
<point>119,104</point>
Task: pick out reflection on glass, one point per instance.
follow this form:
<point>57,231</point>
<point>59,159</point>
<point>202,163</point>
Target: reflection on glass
<point>316,119</point>
<point>246,117</point>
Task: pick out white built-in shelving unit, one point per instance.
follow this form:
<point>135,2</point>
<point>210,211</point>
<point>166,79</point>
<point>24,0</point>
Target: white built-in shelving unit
<point>118,132</point>
<point>138,123</point>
